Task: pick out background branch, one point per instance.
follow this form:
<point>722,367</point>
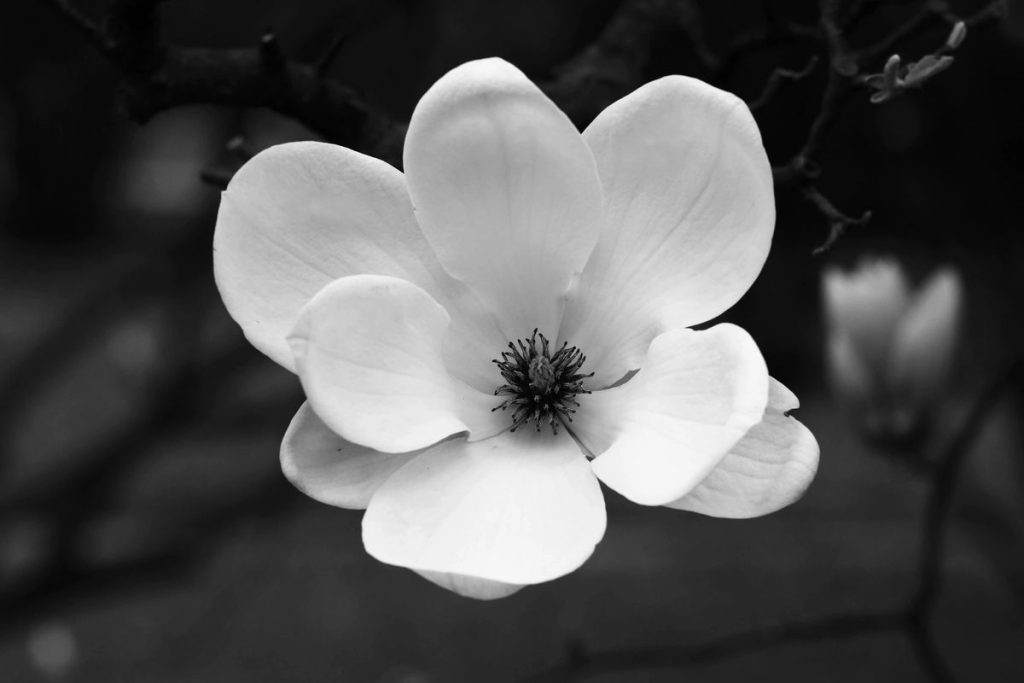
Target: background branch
<point>913,620</point>
<point>777,78</point>
<point>158,78</point>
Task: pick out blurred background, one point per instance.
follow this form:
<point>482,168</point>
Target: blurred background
<point>147,534</point>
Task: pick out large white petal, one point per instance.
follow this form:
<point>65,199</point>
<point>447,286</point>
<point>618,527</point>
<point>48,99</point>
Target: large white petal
<point>330,469</point>
<point>370,353</point>
<point>925,340</point>
<point>768,469</point>
<point>299,215</point>
<point>505,190</point>
<point>519,509</point>
<point>662,432</point>
<point>690,212</point>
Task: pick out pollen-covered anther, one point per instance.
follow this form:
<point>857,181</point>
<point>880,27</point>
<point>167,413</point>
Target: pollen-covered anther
<point>542,386</point>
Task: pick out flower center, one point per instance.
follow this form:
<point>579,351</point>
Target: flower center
<point>541,386</point>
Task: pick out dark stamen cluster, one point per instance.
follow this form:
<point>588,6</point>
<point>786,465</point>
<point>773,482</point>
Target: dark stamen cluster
<point>542,386</point>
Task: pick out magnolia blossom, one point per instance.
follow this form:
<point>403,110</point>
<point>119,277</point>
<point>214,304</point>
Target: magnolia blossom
<point>890,348</point>
<point>485,337</point>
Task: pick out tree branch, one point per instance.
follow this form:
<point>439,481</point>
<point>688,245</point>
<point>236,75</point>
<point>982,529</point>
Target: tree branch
<point>838,221</point>
<point>83,24</point>
<point>913,620</point>
<point>159,77</point>
<point>949,463</point>
<point>580,662</point>
<point>246,77</point>
<point>614,63</point>
<point>777,78</point>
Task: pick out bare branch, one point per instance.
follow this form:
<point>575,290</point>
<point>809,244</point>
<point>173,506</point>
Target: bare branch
<point>777,78</point>
<point>246,77</point>
<point>323,65</point>
<point>913,621</point>
<point>84,24</point>
<point>774,34</point>
<point>614,64</point>
<point>838,221</point>
<point>949,462</point>
<point>158,77</point>
<point>843,626</point>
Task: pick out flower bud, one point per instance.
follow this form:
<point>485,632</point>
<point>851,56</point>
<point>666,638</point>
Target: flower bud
<point>957,35</point>
<point>891,73</point>
<point>889,348</point>
<point>927,68</point>
<point>888,83</point>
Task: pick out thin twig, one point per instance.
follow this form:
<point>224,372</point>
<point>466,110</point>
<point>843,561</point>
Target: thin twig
<point>802,168</point>
<point>777,78</point>
<point>86,26</point>
<point>858,11</point>
<point>838,221</point>
<point>323,65</point>
<point>772,35</point>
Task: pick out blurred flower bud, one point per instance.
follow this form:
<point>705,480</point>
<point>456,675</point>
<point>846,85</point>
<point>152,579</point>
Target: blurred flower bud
<point>889,349</point>
<point>891,72</point>
<point>887,84</point>
<point>957,35</point>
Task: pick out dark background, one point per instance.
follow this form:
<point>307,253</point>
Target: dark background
<point>146,533</point>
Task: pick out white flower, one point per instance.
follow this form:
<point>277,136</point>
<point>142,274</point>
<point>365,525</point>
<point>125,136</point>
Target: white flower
<point>890,349</point>
<point>658,217</point>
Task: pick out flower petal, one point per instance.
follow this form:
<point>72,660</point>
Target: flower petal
<point>690,212</point>
<point>768,469</point>
<point>369,351</point>
<point>864,306</point>
<point>505,190</point>
<point>300,215</point>
<point>924,341</point>
<point>331,470</point>
<point>850,376</point>
<point>661,433</point>
<point>471,586</point>
<point>521,508</point>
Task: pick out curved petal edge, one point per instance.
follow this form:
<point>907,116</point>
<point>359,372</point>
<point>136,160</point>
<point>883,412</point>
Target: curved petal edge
<point>690,214</point>
<point>370,354</point>
<point>770,467</point>
<point>329,469</point>
<point>662,432</point>
<point>520,508</point>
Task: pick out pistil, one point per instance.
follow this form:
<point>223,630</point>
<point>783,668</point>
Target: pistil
<point>542,386</point>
